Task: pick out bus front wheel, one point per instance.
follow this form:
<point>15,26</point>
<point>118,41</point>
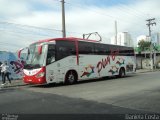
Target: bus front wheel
<point>71,77</point>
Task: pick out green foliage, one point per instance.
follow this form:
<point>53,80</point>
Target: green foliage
<point>157,47</point>
<point>137,49</point>
<point>144,45</point>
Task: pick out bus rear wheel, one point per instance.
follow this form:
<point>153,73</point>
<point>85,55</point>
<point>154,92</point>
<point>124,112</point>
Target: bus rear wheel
<point>121,73</point>
<point>71,77</point>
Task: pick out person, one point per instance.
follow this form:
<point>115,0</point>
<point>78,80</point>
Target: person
<point>0,68</point>
<point>5,73</point>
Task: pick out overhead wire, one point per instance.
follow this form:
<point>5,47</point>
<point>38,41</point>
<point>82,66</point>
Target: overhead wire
<point>21,26</point>
<point>137,14</point>
<point>129,8</point>
<point>125,21</point>
<point>122,8</point>
<point>29,26</point>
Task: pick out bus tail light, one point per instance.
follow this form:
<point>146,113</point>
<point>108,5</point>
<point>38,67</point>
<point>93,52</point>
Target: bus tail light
<point>41,74</point>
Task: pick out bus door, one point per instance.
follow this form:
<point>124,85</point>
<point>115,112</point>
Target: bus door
<point>51,67</point>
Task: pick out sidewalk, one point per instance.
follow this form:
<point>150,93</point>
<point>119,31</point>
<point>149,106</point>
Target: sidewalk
<point>14,83</point>
<point>146,70</point>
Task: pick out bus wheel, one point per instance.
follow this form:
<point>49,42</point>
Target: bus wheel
<point>122,72</point>
<point>71,77</point>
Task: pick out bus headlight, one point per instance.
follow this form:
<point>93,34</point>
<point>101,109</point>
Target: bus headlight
<point>40,75</point>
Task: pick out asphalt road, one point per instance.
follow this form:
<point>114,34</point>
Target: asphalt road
<point>139,93</point>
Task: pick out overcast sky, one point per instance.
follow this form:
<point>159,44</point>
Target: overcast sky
<point>25,21</point>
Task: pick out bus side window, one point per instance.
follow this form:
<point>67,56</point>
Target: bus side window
<point>121,51</point>
<point>130,52</point>
<point>64,49</point>
<point>98,49</point>
<point>114,50</point>
<point>51,54</point>
<point>86,48</point>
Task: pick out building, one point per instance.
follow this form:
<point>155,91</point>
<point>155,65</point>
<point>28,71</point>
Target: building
<point>156,38</point>
<point>123,38</point>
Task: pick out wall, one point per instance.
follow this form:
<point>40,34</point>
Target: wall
<point>144,63</point>
<point>15,65</point>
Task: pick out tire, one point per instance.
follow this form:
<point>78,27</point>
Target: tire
<point>122,73</point>
<point>71,77</point>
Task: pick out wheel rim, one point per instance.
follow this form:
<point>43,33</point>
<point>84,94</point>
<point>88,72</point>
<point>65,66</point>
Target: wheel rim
<point>71,77</point>
<point>122,72</point>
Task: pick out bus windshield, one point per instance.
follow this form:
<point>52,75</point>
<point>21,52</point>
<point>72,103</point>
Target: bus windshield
<point>34,59</point>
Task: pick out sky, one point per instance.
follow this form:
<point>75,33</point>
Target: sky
<point>23,22</point>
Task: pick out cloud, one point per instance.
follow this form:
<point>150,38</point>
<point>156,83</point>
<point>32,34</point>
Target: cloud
<point>80,18</point>
<point>10,8</point>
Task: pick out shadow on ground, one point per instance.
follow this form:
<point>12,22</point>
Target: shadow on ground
<point>81,82</point>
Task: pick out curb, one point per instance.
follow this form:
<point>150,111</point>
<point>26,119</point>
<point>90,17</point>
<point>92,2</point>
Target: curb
<point>11,86</point>
<point>145,71</point>
<point>14,83</point>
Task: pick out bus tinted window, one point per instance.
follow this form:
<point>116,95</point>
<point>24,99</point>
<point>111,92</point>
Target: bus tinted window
<point>122,51</point>
<point>51,54</point>
<point>114,50</point>
<point>101,49</point>
<point>130,52</point>
<point>86,48</point>
<point>126,51</point>
<point>64,49</point>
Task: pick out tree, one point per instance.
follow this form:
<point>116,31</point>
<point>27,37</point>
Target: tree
<point>143,45</point>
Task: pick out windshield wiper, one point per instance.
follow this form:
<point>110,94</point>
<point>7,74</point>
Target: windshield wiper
<point>28,66</point>
<point>37,66</point>
<point>32,66</point>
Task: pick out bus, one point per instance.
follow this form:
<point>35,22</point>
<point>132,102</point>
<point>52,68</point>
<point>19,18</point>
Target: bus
<point>69,60</point>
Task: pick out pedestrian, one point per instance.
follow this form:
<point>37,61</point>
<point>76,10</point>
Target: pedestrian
<point>2,73</point>
<point>5,73</point>
<point>0,68</point>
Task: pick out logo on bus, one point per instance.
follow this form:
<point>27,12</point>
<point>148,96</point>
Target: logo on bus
<point>88,71</point>
<point>106,61</point>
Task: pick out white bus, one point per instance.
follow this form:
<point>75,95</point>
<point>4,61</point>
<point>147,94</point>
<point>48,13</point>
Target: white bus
<point>69,60</point>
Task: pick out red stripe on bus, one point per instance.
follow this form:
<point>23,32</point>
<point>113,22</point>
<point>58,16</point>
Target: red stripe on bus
<point>77,52</point>
<point>67,39</point>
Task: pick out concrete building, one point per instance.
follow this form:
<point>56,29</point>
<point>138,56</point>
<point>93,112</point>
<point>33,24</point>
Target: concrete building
<point>156,38</point>
<point>123,38</point>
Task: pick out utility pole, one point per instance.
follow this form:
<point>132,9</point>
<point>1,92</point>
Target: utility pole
<point>149,24</point>
<point>63,19</point>
<point>149,27</point>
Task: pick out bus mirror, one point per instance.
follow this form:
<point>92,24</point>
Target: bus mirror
<point>19,53</point>
<point>23,52</point>
<point>40,49</point>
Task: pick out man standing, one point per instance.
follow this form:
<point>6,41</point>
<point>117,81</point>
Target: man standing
<point>5,72</point>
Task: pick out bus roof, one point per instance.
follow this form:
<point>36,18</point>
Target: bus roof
<point>73,39</point>
<point>67,39</point>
